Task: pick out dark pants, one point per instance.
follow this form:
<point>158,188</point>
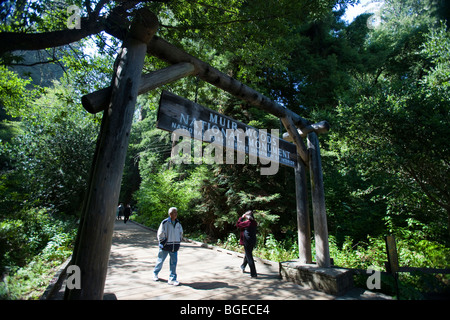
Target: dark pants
<point>248,247</point>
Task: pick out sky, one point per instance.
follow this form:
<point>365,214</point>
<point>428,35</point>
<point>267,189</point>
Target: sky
<point>371,6</point>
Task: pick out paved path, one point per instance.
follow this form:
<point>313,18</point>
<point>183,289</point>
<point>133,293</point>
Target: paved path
<point>203,273</point>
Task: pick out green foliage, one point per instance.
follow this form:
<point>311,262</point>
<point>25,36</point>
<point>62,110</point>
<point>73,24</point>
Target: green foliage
<point>29,232</point>
<point>360,255</point>
<point>436,48</point>
<point>57,132</point>
<point>32,245</point>
<point>8,130</point>
<point>384,90</point>
<point>45,153</point>
<point>368,254</point>
<point>394,135</point>
<point>165,189</point>
<point>388,147</point>
<point>27,283</point>
<point>372,253</point>
<point>231,243</point>
<point>275,250</point>
<point>46,243</point>
<point>14,94</point>
<point>412,252</point>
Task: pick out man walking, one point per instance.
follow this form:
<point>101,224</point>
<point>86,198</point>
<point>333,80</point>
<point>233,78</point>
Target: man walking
<point>170,234</point>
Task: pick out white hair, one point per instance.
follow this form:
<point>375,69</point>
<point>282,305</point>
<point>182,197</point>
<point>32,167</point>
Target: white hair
<point>171,209</point>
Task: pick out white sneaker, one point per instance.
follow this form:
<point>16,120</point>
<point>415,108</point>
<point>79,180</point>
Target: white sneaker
<point>173,282</point>
<point>155,277</point>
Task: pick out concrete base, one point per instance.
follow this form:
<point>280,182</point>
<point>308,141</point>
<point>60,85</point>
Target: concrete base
<point>336,281</point>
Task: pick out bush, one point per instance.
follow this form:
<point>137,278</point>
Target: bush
<point>158,192</point>
<point>412,252</point>
<point>23,236</point>
<point>369,254</point>
<point>32,246</point>
<point>274,250</point>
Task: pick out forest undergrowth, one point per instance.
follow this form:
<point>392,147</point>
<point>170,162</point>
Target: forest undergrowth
<point>364,255</point>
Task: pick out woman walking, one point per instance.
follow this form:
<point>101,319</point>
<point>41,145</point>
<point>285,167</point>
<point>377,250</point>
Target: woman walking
<point>248,224</point>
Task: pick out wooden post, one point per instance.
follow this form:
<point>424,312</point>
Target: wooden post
<point>393,266</point>
<point>303,226</point>
<point>301,192</point>
<point>391,249</point>
<point>94,241</point>
<point>318,202</point>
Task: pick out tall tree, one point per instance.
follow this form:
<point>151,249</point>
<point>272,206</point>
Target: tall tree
<point>397,121</point>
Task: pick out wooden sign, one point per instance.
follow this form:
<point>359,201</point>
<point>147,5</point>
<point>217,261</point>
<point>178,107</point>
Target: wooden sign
<point>196,121</point>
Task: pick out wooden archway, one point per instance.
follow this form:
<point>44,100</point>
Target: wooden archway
<point>117,102</point>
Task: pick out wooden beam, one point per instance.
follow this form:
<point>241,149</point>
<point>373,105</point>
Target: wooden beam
<point>319,127</point>
<point>95,234</point>
<point>172,54</point>
<point>298,141</point>
<point>98,100</point>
